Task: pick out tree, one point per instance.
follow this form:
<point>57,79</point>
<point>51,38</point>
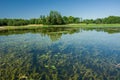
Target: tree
<point>71,19</point>
<point>43,19</point>
<point>65,20</point>
<point>59,19</point>
<point>32,21</point>
<point>112,19</point>
<point>88,21</point>
<point>76,20</point>
<point>10,23</point>
<point>55,18</point>
<point>3,22</point>
<point>98,21</point>
<point>48,20</point>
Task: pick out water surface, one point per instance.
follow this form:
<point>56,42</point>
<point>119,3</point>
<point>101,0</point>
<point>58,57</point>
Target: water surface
<point>60,54</point>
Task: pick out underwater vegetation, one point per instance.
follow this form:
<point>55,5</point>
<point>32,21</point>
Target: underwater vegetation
<point>60,54</point>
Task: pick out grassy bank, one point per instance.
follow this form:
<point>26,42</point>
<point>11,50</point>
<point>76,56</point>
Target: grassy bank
<point>27,27</point>
<point>94,25</point>
<point>33,27</point>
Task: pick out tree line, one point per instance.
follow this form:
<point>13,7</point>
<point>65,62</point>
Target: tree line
<point>107,20</point>
<point>55,18</point>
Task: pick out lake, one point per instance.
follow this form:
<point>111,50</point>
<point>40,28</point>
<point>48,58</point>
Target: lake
<point>60,54</point>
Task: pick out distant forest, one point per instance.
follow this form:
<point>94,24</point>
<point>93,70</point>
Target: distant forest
<point>55,18</point>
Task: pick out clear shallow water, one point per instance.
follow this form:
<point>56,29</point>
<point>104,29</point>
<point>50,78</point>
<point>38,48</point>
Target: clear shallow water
<point>60,54</point>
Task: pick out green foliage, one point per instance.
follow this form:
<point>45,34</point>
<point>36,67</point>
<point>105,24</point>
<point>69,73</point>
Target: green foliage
<point>43,19</point>
<point>70,19</point>
<point>76,20</point>
<point>35,21</point>
<point>65,20</point>
<point>98,21</point>
<point>55,18</point>
<point>107,20</point>
<point>13,22</point>
<point>3,22</point>
<point>112,19</point>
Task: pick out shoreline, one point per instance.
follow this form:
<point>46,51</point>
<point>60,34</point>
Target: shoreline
<point>35,26</point>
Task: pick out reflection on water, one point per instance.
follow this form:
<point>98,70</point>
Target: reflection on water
<point>60,54</point>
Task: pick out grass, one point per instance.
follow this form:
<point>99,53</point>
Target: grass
<point>94,25</point>
<point>33,27</point>
<point>28,27</point>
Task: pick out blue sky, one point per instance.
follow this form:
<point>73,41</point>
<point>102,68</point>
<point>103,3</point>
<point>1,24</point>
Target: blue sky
<point>79,8</point>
